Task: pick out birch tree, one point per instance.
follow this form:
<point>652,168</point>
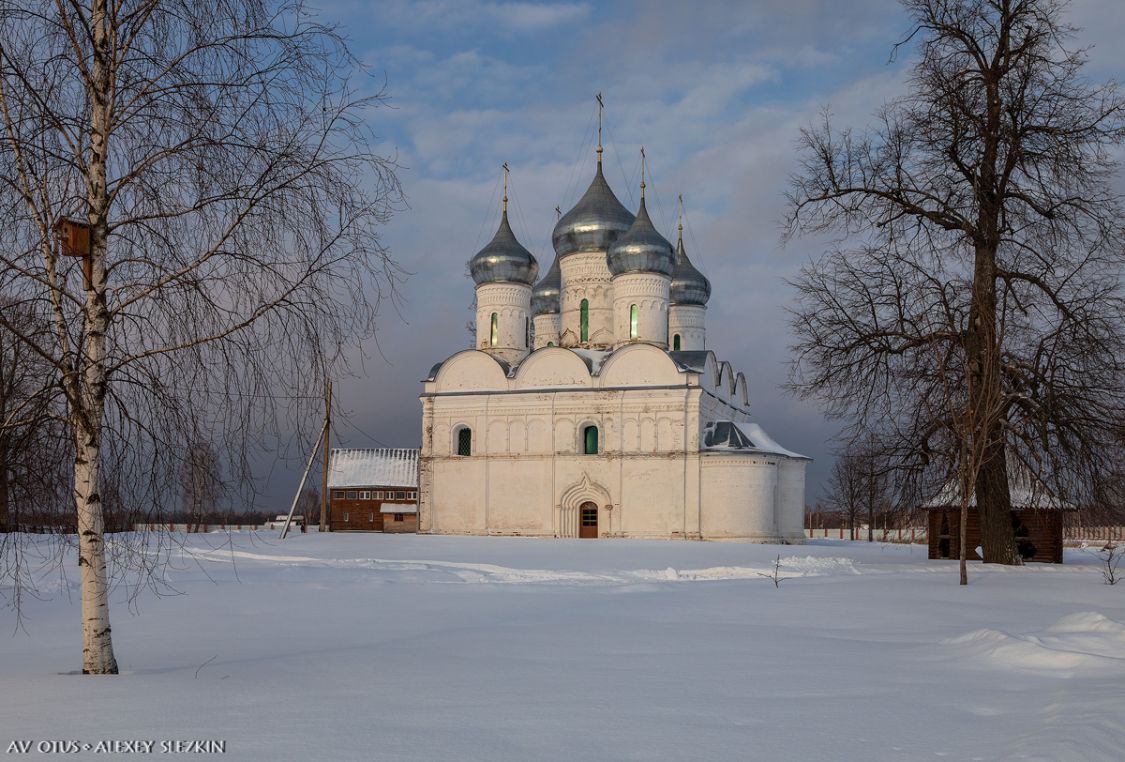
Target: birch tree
<point>987,226</point>
<point>218,154</point>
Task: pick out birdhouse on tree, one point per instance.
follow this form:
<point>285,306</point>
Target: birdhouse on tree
<point>73,237</point>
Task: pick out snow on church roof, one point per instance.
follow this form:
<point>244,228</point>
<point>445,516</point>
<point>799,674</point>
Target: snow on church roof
<point>594,358</point>
<point>732,436</point>
<point>380,467</point>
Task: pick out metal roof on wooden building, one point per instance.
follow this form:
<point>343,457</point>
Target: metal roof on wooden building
<point>380,467</point>
<point>1025,490</point>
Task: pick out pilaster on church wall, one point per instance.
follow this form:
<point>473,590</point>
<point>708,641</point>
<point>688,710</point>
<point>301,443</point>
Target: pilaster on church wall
<point>425,467</point>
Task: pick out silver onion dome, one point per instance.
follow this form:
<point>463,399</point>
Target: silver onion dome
<point>545,293</point>
<point>689,286</point>
<point>595,222</point>
<point>641,248</point>
<point>504,259</point>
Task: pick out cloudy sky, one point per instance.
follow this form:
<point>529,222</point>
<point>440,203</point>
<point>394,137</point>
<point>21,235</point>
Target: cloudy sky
<point>715,91</point>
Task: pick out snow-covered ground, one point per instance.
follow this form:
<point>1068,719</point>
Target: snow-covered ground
<point>381,647</point>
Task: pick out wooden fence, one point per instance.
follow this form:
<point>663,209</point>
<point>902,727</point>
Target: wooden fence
<point>194,528</point>
<point>1076,535</point>
<point>1072,536</point>
<point>902,534</point>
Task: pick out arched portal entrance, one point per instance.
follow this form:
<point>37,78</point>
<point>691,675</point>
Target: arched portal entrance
<point>578,512</point>
<point>588,520</point>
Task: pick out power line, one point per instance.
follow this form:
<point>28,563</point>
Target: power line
<point>617,155</point>
<point>518,206</point>
<point>587,136</point>
<point>485,218</point>
<point>656,193</point>
<point>697,251</point>
<point>370,436</point>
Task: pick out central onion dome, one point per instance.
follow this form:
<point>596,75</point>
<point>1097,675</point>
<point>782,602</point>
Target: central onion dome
<point>689,286</point>
<point>641,248</point>
<point>504,259</point>
<point>595,222</point>
<point>545,293</point>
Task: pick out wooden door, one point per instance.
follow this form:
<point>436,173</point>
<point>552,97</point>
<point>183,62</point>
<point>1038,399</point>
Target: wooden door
<point>588,521</point>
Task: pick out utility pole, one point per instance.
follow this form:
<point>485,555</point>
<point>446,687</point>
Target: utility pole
<point>324,475</point>
<point>870,488</point>
<point>304,477</point>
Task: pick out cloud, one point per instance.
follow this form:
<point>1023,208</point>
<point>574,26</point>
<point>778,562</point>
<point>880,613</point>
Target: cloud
<point>715,91</point>
<point>466,15</point>
<point>714,97</point>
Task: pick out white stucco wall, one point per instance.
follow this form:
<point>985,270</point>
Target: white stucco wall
<point>739,497</point>
<point>511,303</point>
<point>528,474</point>
<point>649,291</point>
<point>689,321</point>
<point>546,330</point>
<point>791,499</point>
<point>585,275</point>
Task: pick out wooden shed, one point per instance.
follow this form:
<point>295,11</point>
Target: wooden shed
<point>373,490</point>
<point>1037,522</point>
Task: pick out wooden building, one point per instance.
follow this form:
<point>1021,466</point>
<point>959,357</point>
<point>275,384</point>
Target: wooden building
<point>1037,522</point>
<point>373,490</point>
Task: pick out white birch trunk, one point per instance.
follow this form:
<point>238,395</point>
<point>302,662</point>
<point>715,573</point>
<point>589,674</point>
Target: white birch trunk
<point>97,642</point>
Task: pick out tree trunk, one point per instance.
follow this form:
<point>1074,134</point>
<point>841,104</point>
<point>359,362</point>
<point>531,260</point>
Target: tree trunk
<point>966,487</point>
<point>5,514</point>
<point>983,431</point>
<point>988,446</point>
<point>871,496</point>
<point>97,643</point>
<point>982,364</point>
<point>994,507</point>
<point>88,401</point>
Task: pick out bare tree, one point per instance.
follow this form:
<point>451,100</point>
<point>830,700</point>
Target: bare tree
<point>31,437</point>
<point>846,491</point>
<point>859,485</point>
<point>202,483</point>
<point>217,157</point>
<point>987,228</point>
<point>308,504</point>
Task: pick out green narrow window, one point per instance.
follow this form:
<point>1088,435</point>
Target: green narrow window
<point>494,333</point>
<point>590,440</point>
<point>527,332</point>
<point>676,343</point>
<point>550,343</point>
<point>465,441</point>
<point>584,320</point>
<point>633,321</point>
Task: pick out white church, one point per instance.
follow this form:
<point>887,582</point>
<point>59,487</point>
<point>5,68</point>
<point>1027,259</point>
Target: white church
<point>590,405</point>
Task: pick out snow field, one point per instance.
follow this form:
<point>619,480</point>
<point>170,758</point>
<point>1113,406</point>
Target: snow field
<point>374,647</point>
